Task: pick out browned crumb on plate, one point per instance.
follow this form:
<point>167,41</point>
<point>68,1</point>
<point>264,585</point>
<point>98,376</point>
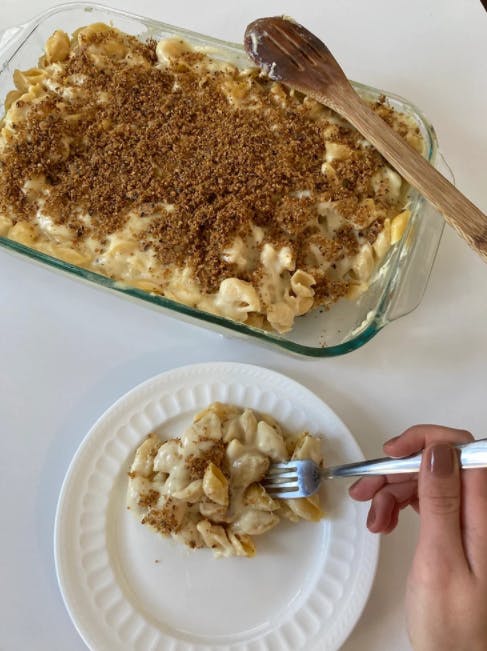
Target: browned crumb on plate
<point>163,519</point>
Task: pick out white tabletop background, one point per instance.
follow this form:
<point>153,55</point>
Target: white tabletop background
<point>68,351</point>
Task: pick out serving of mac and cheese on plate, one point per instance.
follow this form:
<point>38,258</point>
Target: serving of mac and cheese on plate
<point>204,488</point>
<point>183,176</point>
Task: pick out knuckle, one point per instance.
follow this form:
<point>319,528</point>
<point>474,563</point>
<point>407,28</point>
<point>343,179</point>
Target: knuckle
<point>442,504</point>
<point>437,576</point>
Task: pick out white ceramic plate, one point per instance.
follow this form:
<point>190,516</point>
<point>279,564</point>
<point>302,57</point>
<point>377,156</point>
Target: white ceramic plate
<point>128,588</point>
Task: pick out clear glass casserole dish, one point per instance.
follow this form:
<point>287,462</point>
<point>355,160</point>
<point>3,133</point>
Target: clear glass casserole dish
<point>400,280</point>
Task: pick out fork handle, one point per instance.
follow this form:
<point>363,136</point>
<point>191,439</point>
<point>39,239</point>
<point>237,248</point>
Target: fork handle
<point>472,455</point>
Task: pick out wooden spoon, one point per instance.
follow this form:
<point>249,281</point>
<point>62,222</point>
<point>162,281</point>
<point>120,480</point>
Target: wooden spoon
<point>289,53</point>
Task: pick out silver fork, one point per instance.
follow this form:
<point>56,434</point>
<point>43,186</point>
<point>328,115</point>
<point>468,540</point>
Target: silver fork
<point>302,478</point>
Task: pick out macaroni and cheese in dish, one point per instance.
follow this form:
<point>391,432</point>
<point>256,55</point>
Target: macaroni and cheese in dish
<point>182,175</point>
<point>204,488</point>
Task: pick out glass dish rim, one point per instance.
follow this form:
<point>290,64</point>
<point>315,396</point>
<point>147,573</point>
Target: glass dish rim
<point>158,301</point>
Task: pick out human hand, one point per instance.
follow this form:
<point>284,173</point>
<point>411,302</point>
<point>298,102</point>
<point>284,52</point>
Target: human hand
<point>446,599</point>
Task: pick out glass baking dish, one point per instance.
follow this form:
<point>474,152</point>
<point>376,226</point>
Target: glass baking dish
<point>400,281</point>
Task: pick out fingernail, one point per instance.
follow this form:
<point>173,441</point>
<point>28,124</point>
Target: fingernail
<point>441,461</point>
<point>371,516</point>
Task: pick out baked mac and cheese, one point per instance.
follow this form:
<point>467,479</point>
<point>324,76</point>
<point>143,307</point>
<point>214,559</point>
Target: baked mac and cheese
<point>182,175</point>
<point>204,488</point>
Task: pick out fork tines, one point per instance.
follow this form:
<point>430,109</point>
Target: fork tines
<point>281,478</point>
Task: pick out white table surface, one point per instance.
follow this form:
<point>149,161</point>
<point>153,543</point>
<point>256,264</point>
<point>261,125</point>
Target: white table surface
<point>67,351</point>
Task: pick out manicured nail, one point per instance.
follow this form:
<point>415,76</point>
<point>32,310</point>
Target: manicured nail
<point>371,517</point>
<point>441,461</point>
<point>392,440</point>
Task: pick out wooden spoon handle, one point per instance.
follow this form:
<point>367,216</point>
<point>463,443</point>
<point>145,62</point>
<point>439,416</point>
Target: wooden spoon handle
<point>459,212</point>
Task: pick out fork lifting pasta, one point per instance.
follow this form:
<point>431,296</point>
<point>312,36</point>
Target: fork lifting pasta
<point>204,488</point>
<point>181,175</point>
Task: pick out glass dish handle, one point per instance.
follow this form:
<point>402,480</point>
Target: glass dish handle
<point>417,266</point>
<point>8,35</point>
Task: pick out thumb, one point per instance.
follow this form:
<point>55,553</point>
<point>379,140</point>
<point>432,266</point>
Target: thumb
<point>439,492</point>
